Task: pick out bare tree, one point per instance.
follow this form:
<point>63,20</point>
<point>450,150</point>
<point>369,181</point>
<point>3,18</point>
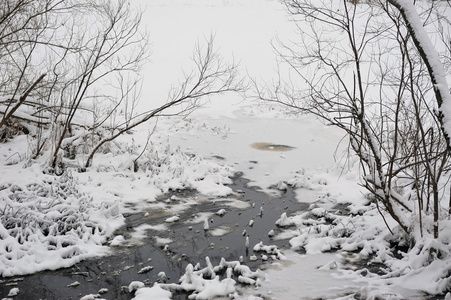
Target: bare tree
<point>23,28</point>
<point>117,47</point>
<point>77,46</point>
<point>80,47</point>
<point>430,58</point>
<point>437,75</point>
<point>210,76</point>
<point>357,68</point>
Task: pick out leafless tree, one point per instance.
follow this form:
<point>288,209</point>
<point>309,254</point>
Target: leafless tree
<point>442,93</point>
<point>116,47</point>
<point>56,51</point>
<point>59,56</point>
<point>23,28</point>
<point>210,76</point>
<point>357,68</point>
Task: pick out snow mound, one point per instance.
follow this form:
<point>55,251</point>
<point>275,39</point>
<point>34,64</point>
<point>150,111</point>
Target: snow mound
<point>271,249</point>
<point>167,168</point>
<point>48,224</point>
<point>154,293</point>
<point>308,180</point>
<point>207,283</point>
<point>285,221</point>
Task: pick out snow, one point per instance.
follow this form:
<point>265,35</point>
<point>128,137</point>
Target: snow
<point>309,153</point>
<point>54,224</point>
<point>13,292</point>
<point>272,250</point>
<point>220,231</point>
<point>118,240</point>
<point>74,284</point>
<point>172,219</point>
<point>91,297</point>
<point>162,241</point>
<point>436,64</point>
<point>206,224</point>
<point>135,285</point>
<point>221,212</point>
<point>284,220</point>
<point>311,281</point>
<point>186,152</point>
<point>145,269</point>
<point>206,284</point>
<point>154,293</point>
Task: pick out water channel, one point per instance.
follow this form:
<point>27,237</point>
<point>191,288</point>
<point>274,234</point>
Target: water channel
<point>191,243</point>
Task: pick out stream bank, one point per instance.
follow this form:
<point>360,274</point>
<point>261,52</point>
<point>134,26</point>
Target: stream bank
<point>248,213</point>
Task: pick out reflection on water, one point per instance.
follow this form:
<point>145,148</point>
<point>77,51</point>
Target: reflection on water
<point>271,147</point>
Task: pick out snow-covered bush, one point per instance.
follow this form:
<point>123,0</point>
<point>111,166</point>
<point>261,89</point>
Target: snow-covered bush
<point>48,224</point>
<point>167,168</point>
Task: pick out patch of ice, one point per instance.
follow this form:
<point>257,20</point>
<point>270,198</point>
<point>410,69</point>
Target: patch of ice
<point>162,241</point>
<point>316,283</point>
<point>220,231</point>
<point>199,217</point>
<point>139,233</point>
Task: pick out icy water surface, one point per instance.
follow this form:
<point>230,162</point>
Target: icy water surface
<point>144,260</point>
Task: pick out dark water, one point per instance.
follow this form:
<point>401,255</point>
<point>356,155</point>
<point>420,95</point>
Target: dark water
<point>191,244</point>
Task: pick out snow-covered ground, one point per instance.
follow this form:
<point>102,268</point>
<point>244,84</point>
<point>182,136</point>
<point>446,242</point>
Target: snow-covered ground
<point>202,152</point>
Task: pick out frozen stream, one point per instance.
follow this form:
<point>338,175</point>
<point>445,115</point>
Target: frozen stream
<point>186,240</point>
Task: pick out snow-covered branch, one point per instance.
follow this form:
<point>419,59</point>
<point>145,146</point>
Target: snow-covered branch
<point>432,61</point>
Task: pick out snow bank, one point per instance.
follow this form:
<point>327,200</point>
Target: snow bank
<point>47,224</point>
<point>160,166</point>
<point>50,222</point>
<point>342,220</point>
